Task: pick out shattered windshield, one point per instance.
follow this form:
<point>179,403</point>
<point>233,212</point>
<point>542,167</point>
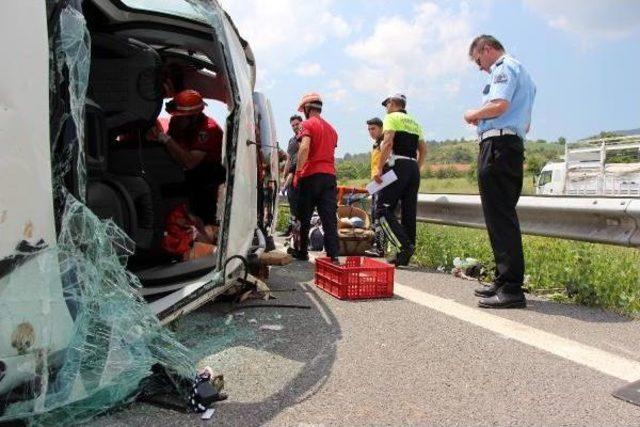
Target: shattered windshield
<point>170,7</point>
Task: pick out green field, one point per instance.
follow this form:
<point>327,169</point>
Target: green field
<point>447,185</point>
<point>592,274</point>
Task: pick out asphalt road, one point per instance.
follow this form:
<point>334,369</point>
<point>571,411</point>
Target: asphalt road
<point>400,362</point>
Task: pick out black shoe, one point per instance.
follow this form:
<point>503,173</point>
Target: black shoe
<point>220,396</point>
<point>402,258</point>
<point>299,255</point>
<point>486,291</point>
<point>504,300</point>
<point>335,261</point>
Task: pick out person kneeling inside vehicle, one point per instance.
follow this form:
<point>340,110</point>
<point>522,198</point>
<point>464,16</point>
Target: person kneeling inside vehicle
<point>195,142</point>
<point>186,237</point>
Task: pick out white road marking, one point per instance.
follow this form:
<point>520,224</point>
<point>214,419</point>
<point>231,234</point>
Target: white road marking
<point>600,360</point>
<point>594,358</point>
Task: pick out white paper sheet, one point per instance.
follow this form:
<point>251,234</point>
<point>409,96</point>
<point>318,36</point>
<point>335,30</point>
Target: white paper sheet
<point>389,177</point>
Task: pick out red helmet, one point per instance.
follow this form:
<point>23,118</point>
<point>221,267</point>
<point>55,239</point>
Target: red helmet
<point>186,103</point>
<point>312,98</point>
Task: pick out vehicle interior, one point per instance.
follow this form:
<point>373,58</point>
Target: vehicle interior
<point>136,65</point>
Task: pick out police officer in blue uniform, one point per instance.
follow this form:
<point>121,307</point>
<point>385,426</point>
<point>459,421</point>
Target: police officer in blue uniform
<point>502,123</point>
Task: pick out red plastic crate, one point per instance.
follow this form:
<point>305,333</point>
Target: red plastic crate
<point>358,278</point>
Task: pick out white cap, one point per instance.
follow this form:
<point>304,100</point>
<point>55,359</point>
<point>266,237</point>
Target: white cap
<point>396,97</point>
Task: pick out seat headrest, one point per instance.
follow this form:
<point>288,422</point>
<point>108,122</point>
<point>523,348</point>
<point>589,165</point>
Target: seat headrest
<point>125,81</point>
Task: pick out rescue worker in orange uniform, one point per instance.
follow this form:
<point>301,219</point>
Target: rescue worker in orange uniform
<point>195,142</point>
<point>315,177</point>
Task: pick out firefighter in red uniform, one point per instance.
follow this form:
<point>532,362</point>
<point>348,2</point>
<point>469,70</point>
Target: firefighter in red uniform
<point>315,176</point>
<point>195,142</point>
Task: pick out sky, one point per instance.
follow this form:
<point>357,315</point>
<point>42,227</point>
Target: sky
<point>584,56</point>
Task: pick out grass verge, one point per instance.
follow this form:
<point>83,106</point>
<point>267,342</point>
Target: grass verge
<point>591,274</point>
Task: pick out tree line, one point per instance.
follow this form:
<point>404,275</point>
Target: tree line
<point>454,159</point>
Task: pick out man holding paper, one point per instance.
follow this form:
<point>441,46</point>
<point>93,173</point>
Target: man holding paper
<point>403,152</point>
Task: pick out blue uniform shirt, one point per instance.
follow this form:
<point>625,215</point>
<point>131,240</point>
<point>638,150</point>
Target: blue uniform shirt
<point>509,80</point>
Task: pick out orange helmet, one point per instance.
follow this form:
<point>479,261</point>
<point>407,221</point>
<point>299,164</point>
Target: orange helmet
<point>312,98</point>
<point>186,103</point>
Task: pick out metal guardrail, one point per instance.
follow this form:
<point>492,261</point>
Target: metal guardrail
<point>614,221</point>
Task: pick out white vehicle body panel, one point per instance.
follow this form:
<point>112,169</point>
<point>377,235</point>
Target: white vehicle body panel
<point>29,299</point>
<point>26,205</point>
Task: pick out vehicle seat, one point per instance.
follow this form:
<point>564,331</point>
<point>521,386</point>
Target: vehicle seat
<point>125,80</point>
<point>125,200</point>
<point>126,93</point>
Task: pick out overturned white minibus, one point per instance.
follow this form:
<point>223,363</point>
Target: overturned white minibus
<point>82,215</point>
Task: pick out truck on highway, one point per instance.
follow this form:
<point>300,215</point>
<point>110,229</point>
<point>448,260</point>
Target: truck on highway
<point>594,167</point>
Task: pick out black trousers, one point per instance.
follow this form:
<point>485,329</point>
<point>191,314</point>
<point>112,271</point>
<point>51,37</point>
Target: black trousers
<point>203,183</point>
<point>405,191</point>
<point>379,239</point>
<point>319,191</point>
<point>292,197</point>
<point>500,174</point>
